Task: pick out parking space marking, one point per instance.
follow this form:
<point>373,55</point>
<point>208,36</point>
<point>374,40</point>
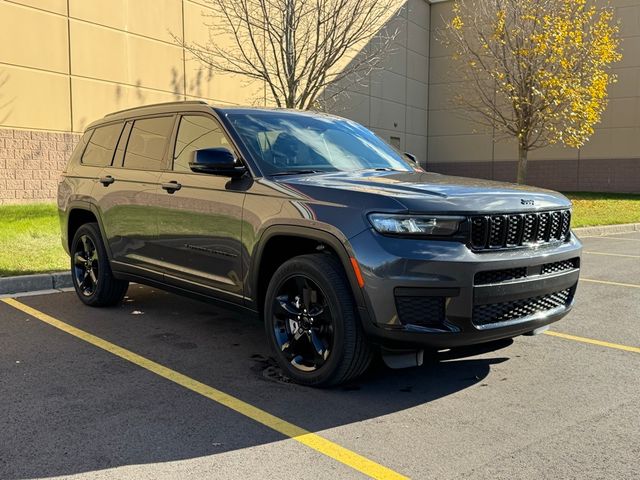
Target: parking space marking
<point>309,439</point>
<point>612,254</point>
<point>592,341</point>
<point>605,282</point>
<point>612,238</point>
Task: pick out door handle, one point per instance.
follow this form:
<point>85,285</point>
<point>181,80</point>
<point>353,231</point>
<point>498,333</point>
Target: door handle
<point>106,181</point>
<point>171,187</point>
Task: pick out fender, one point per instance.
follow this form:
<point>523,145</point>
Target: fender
<point>87,207</point>
<point>342,249</point>
<point>96,211</point>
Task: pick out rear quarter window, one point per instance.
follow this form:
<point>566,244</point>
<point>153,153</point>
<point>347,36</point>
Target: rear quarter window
<point>78,151</point>
<point>99,151</point>
<point>148,143</point>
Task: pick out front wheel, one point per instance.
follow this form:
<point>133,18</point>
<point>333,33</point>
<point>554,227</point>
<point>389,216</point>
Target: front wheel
<point>312,324</point>
<point>92,278</point>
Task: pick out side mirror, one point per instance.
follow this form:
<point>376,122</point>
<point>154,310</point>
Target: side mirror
<point>411,157</point>
<point>217,161</point>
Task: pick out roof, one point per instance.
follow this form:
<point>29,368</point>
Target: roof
<point>156,108</point>
<point>193,105</point>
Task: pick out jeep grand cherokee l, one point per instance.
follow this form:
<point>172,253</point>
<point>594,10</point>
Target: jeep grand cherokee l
<point>341,244</point>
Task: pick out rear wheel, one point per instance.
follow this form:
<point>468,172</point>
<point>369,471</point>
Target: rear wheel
<point>90,269</point>
<point>312,324</point>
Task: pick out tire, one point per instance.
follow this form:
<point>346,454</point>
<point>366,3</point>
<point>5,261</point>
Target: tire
<point>93,280</point>
<point>325,344</point>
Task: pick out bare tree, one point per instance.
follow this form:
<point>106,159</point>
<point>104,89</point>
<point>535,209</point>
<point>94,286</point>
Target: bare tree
<point>537,71</point>
<point>297,47</point>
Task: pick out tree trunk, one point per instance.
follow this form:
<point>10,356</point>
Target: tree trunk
<point>522,163</point>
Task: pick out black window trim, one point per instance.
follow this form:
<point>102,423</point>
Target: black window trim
<point>128,124</point>
<point>254,171</point>
<point>133,120</point>
<point>84,148</point>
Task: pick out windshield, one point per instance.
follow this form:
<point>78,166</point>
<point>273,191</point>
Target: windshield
<point>283,142</point>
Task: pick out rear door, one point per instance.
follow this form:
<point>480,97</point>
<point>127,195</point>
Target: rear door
<point>96,153</point>
<point>200,219</point>
<point>129,196</point>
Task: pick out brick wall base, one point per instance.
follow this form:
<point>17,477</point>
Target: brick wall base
<point>593,175</point>
<point>31,162</point>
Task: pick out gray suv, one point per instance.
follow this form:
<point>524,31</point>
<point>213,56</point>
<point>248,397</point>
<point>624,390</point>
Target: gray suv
<point>341,244</point>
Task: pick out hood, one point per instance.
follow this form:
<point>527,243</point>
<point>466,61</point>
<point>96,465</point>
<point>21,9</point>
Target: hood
<point>430,192</point>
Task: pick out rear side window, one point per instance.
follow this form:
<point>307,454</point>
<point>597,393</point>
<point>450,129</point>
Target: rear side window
<point>148,143</point>
<point>99,151</point>
<point>76,156</point>
<point>196,132</point>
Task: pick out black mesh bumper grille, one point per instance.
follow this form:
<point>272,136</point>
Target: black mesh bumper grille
<point>491,232</point>
<point>508,274</point>
<point>497,276</point>
<point>556,267</point>
<point>519,309</point>
<point>421,311</point>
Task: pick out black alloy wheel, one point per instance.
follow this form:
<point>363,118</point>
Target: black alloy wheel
<point>85,266</point>
<point>312,323</point>
<point>90,269</point>
<point>303,324</point>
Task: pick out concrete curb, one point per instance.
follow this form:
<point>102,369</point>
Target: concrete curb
<point>30,283</point>
<point>608,229</point>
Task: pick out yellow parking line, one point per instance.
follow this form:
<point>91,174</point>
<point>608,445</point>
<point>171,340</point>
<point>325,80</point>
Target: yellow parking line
<point>311,440</point>
<point>612,254</point>
<point>600,343</point>
<point>604,282</point>
<point>611,238</point>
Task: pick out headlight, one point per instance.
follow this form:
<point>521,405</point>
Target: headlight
<point>415,224</point>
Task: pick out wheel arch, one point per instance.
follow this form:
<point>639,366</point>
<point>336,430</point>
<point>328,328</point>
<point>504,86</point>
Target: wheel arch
<point>77,216</point>
<point>312,240</point>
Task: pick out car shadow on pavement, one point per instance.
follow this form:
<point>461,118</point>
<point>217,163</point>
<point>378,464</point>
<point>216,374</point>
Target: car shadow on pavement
<point>70,407</point>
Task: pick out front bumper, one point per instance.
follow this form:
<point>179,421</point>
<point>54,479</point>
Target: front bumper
<point>516,292</point>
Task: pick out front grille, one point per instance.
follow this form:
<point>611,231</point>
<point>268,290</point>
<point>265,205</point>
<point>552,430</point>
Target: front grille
<point>508,274</point>
<point>497,276</point>
<point>555,267</point>
<point>421,311</point>
<point>518,309</point>
<point>492,232</point>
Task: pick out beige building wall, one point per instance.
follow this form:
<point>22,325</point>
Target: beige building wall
<point>393,101</point>
<point>609,162</point>
<point>65,63</point>
<point>85,58</point>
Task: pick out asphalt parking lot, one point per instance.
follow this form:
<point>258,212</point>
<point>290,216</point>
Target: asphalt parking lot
<point>538,407</point>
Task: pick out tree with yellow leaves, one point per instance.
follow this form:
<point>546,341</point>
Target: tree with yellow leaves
<point>537,71</point>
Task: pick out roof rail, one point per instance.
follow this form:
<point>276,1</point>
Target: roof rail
<point>182,102</point>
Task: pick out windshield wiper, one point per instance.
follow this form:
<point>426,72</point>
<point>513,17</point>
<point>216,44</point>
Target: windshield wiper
<point>296,172</point>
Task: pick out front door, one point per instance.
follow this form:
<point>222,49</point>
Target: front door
<point>200,215</point>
